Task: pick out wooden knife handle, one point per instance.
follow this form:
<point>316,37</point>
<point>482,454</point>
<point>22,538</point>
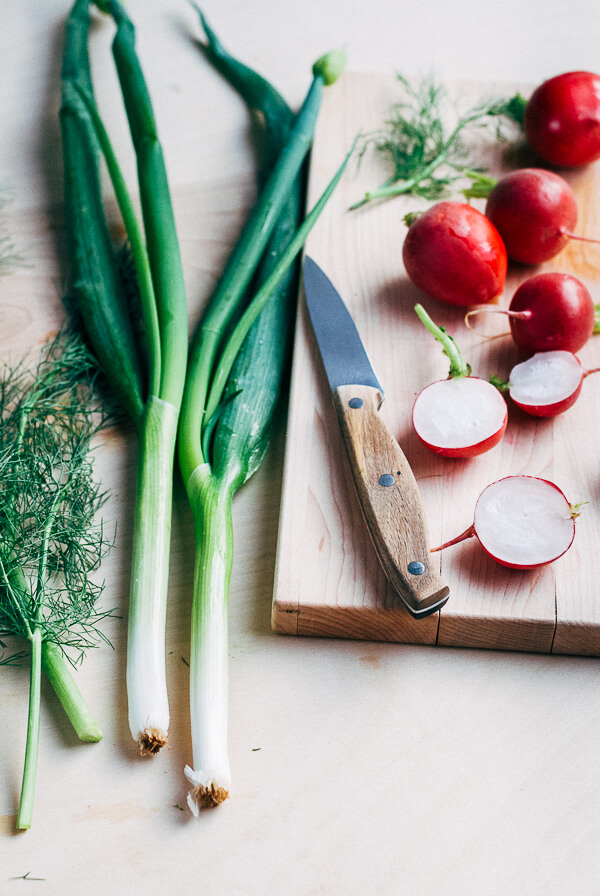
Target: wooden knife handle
<point>390,500</point>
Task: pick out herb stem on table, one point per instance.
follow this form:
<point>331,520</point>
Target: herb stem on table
<point>426,155</point>
<point>51,543</point>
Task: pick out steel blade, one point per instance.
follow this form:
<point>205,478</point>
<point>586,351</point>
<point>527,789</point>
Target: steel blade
<point>344,356</point>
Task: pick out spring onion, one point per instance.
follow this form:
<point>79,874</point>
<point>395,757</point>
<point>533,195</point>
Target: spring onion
<point>233,385</point>
<point>148,383</point>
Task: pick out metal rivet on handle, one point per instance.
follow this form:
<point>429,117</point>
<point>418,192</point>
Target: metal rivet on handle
<point>386,479</point>
<point>356,402</point>
<point>416,568</point>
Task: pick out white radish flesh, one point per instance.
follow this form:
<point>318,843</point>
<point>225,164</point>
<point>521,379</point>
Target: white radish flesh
<point>524,522</point>
<point>460,416</point>
<point>547,383</point>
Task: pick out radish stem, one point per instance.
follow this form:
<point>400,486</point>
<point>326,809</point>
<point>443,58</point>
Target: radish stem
<point>481,185</point>
<point>458,365</point>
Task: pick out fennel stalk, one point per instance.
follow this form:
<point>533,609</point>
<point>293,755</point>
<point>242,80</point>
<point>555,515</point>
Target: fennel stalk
<point>51,542</point>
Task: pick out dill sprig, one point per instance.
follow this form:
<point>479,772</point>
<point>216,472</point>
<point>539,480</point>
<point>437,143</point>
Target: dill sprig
<point>51,541</point>
<point>427,153</point>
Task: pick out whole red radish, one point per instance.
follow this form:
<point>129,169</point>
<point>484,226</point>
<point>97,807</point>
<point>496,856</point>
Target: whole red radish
<point>552,311</point>
<point>454,254</point>
<point>562,119</point>
<point>463,415</point>
<point>548,312</point>
<point>548,383</point>
<point>522,522</point>
<point>535,213</point>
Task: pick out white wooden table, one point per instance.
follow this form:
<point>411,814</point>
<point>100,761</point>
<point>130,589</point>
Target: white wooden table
<point>358,768</point>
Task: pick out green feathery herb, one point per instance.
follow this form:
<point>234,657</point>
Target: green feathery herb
<point>51,542</point>
<point>426,154</point>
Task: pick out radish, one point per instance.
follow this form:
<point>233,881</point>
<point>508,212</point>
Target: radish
<point>534,211</point>
<point>547,383</point>
<point>454,254</point>
<point>463,415</point>
<point>548,312</point>
<point>562,119</point>
<point>552,311</point>
<point>522,522</point>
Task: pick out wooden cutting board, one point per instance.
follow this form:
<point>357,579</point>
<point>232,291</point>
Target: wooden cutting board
<point>328,581</point>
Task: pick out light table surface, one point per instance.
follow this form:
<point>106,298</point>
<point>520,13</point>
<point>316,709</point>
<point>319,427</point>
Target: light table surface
<point>358,768</point>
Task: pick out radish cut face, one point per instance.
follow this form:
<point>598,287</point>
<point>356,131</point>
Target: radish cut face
<point>460,417</point>
<point>547,383</point>
<point>524,522</point>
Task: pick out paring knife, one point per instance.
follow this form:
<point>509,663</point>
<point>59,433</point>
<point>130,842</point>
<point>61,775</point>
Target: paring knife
<point>385,485</point>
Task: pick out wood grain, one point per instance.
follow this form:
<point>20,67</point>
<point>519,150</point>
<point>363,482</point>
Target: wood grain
<point>328,580</point>
<point>389,499</point>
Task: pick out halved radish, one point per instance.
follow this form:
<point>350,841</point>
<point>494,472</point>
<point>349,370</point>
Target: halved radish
<point>522,522</point>
<point>460,416</point>
<point>463,415</point>
<point>546,384</point>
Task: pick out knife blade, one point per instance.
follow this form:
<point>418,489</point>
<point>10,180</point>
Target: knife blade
<point>385,485</point>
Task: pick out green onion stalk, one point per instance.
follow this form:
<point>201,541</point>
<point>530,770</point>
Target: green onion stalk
<point>148,380</point>
<point>236,376</point>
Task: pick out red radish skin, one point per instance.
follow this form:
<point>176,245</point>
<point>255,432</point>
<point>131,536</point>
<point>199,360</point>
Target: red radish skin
<point>521,522</point>
<point>562,119</point>
<point>556,313</point>
<point>454,254</point>
<point>535,213</point>
<point>548,312</point>
<point>553,409</point>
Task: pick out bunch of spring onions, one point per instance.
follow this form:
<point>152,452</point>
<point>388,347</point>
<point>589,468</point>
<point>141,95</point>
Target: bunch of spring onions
<point>51,542</point>
<point>232,388</point>
<point>235,371</point>
<point>147,380</point>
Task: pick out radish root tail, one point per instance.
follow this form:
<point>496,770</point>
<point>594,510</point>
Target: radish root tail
<point>468,533</point>
<point>518,314</point>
